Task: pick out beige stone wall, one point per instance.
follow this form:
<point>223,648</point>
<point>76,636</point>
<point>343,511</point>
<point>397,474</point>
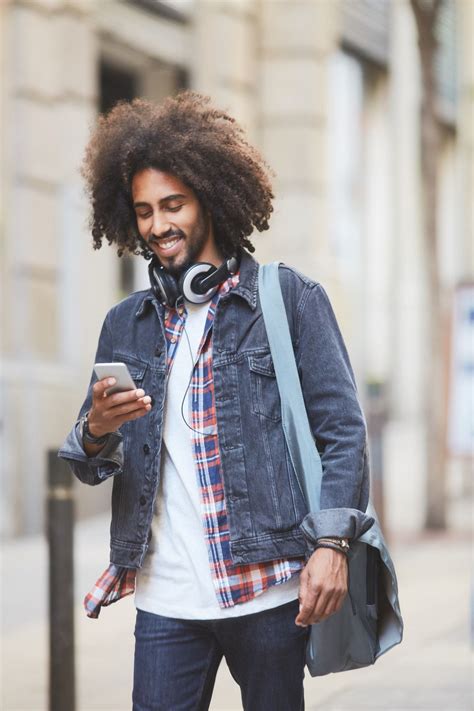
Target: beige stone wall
<point>404,436</point>
<point>269,63</point>
<point>225,57</point>
<point>56,289</point>
<point>465,143</point>
<point>405,455</point>
<point>49,102</point>
<point>296,43</point>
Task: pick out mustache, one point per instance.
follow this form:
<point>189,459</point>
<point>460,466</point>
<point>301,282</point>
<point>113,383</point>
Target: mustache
<point>168,235</point>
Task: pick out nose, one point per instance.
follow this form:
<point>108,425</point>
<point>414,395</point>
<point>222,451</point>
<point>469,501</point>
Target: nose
<point>160,225</point>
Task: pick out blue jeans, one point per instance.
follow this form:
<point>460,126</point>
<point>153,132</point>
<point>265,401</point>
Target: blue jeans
<point>176,661</point>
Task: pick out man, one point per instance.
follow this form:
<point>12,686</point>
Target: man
<point>209,526</point>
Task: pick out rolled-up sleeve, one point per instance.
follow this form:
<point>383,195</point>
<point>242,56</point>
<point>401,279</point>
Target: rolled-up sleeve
<point>336,420</point>
<point>109,460</point>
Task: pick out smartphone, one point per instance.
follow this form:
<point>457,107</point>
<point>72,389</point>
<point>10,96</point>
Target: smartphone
<point>120,372</point>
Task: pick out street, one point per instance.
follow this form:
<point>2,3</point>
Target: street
<point>432,669</point>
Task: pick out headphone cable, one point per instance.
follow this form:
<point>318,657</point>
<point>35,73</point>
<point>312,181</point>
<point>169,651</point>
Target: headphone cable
<point>204,434</point>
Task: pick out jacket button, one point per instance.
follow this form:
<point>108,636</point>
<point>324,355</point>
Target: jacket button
<point>133,555</point>
<point>146,449</point>
<point>142,500</point>
<point>158,352</point>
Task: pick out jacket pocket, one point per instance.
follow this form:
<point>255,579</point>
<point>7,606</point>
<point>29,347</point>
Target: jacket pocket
<point>264,388</point>
<point>137,368</point>
<point>138,371</point>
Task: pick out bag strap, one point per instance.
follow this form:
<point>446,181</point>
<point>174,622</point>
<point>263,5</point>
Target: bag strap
<point>299,438</point>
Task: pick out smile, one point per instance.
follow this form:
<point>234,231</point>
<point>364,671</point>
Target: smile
<point>168,245</point>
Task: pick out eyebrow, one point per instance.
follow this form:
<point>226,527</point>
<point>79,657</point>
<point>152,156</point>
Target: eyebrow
<point>176,196</point>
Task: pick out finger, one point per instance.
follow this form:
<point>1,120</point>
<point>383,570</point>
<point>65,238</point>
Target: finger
<point>99,388</point>
<point>304,582</point>
<point>124,396</point>
<point>325,607</point>
<point>128,408</point>
<point>130,397</point>
<point>132,416</point>
<point>334,603</point>
<point>303,619</point>
<point>308,597</point>
<point>304,579</point>
<point>338,602</point>
<point>330,610</point>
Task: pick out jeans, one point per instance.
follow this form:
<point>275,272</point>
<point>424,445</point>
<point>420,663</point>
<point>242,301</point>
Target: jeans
<point>176,661</point>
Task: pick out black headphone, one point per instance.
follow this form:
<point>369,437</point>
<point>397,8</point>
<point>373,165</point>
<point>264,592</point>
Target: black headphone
<point>197,284</point>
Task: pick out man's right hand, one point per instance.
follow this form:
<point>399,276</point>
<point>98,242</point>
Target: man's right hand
<point>109,412</point>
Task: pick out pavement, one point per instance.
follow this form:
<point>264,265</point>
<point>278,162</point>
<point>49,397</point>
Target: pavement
<point>430,670</point>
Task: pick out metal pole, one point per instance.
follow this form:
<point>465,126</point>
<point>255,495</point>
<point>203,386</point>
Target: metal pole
<point>62,693</point>
<point>376,419</point>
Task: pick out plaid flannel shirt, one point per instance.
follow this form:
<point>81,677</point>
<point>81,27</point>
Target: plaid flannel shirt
<point>233,583</point>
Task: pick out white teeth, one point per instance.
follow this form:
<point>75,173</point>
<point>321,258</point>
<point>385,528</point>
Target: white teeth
<point>169,243</point>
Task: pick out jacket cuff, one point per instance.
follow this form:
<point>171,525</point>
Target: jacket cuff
<point>111,452</point>
<point>112,449</point>
<point>341,523</point>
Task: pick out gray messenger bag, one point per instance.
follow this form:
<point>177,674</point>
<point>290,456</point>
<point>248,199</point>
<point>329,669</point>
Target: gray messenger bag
<point>369,622</point>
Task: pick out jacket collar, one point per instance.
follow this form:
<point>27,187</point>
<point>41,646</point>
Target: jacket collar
<point>248,280</point>
<point>246,288</point>
<point>146,300</point>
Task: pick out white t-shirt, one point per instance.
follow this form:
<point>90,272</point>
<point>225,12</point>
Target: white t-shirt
<point>175,580</point>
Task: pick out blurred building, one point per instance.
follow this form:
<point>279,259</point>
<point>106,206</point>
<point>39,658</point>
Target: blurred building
<point>330,92</point>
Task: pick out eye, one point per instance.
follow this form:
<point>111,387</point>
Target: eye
<point>143,216</point>
<point>175,209</point>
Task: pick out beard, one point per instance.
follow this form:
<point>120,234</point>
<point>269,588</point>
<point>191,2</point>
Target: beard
<point>194,244</point>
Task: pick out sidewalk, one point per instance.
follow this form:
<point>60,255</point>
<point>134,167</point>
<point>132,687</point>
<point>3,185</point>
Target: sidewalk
<point>431,670</point>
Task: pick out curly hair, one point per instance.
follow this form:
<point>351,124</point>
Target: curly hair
<point>199,144</point>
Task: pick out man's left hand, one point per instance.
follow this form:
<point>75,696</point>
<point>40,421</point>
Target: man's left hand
<point>323,586</point>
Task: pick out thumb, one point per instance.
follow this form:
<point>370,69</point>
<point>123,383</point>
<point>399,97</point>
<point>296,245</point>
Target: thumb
<point>304,578</point>
<point>101,386</point>
<point>302,595</point>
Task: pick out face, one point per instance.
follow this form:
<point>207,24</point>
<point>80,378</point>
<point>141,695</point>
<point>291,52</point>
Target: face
<point>172,222</point>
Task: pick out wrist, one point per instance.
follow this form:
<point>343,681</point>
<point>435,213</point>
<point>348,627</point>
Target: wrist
<point>90,434</point>
<point>334,542</point>
<point>331,547</point>
<point>92,429</point>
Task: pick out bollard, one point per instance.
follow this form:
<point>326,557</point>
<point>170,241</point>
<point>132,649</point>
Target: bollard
<point>376,419</point>
<point>60,512</point>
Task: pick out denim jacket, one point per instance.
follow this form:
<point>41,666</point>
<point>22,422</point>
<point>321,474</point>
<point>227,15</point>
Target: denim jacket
<point>268,517</point>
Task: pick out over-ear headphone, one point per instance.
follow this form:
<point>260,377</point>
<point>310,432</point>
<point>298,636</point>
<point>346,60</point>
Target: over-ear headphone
<point>197,284</point>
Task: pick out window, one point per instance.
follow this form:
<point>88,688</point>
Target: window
<point>116,84</point>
